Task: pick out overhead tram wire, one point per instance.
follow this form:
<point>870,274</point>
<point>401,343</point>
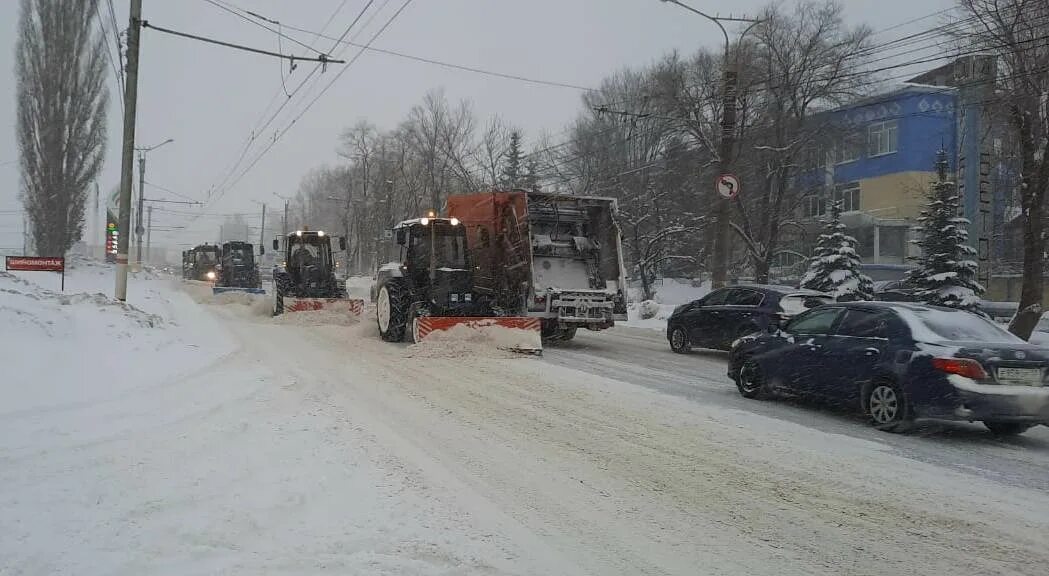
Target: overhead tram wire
<point>109,55</point>
<point>258,130</point>
<point>322,58</point>
<point>288,127</point>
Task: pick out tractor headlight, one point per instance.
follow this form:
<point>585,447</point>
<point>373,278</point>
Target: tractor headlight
<point>210,274</point>
<point>424,221</point>
<point>454,222</point>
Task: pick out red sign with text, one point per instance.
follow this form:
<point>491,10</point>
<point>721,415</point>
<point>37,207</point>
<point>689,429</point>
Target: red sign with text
<point>36,264</point>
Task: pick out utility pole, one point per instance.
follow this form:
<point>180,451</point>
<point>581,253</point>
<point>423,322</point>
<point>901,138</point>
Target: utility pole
<point>142,193</point>
<point>727,144</point>
<point>128,154</point>
<point>262,230</point>
<point>149,234</point>
<point>141,200</point>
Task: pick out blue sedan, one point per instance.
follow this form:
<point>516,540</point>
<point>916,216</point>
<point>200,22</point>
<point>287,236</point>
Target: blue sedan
<point>897,362</point>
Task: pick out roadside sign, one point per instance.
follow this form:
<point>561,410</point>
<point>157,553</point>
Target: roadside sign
<point>37,264</point>
<point>727,186</point>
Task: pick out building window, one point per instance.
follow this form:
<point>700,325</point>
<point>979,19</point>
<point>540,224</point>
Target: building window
<point>849,196</point>
<point>882,138</point>
<point>850,148</point>
<point>815,205</point>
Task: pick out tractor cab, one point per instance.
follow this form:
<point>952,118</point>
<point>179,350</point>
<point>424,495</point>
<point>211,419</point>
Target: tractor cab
<point>309,264</point>
<point>436,263</point>
<point>201,263</point>
<point>237,266</point>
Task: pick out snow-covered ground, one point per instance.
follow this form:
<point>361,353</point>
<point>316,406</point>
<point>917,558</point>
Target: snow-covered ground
<point>309,447</point>
<point>670,293</point>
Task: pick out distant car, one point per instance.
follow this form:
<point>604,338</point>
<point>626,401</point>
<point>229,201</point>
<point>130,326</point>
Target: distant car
<point>899,361</point>
<point>894,291</point>
<point>724,315</point>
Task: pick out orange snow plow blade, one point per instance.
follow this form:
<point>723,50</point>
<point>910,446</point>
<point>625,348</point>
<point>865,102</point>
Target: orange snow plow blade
<point>352,306</point>
<point>516,333</point>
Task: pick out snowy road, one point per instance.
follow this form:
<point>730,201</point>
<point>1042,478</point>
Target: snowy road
<point>320,449</point>
<point>643,357</point>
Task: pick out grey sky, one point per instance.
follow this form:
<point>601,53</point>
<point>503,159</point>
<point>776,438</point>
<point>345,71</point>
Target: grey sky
<point>207,98</point>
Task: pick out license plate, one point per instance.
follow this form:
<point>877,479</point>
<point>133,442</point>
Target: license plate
<point>1026,376</point>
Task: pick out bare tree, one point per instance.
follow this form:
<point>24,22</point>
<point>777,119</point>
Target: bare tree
<point>807,61</point>
<point>1016,31</point>
<point>62,103</point>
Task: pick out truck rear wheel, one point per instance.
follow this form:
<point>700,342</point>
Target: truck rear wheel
<point>391,311</point>
<point>552,332</point>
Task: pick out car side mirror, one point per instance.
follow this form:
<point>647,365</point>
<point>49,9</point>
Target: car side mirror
<point>262,249</point>
<point>342,243</point>
<point>276,244</point>
<point>401,236</point>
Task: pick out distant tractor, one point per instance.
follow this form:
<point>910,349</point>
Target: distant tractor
<point>201,263</point>
<point>237,269</point>
<point>432,290</point>
<point>306,278</point>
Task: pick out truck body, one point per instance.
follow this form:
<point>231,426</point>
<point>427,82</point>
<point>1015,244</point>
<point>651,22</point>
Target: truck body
<point>555,257</point>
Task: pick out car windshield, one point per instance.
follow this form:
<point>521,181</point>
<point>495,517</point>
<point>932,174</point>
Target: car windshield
<point>955,326</point>
<point>206,256</point>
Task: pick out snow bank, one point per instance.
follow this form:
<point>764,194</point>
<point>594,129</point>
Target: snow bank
<point>648,309</point>
<point>317,318</point>
<point>83,346</point>
<point>670,293</point>
<point>475,339</point>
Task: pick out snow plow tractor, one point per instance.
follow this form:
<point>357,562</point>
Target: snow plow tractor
<point>237,271</point>
<point>201,263</point>
<point>306,279</point>
<point>430,294</point>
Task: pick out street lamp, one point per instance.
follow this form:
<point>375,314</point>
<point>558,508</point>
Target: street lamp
<point>727,143</point>
<point>139,229</point>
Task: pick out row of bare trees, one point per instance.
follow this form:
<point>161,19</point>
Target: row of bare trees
<point>649,138</point>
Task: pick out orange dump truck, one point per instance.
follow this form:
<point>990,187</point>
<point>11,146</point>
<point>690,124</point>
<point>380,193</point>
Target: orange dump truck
<point>555,257</point>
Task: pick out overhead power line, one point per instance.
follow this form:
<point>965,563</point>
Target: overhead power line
<point>307,108</point>
<point>259,129</point>
<point>323,59</point>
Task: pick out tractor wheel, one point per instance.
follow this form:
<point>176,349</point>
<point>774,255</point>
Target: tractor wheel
<point>391,311</point>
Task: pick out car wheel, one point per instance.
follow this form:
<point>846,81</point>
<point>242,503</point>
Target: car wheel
<point>679,340</point>
<point>1007,428</point>
<point>887,407</point>
<point>751,380</point>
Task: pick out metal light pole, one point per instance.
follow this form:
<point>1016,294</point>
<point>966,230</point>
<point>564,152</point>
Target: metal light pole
<point>719,268</point>
<point>139,230</point>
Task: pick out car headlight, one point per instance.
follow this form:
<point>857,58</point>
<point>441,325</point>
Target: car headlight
<point>454,297</point>
<point>467,297</point>
<point>210,275</point>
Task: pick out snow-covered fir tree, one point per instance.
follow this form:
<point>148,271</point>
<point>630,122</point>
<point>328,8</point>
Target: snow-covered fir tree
<point>946,272</point>
<point>835,266</point>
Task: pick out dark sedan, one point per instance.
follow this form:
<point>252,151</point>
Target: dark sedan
<point>724,315</point>
<point>897,362</point>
